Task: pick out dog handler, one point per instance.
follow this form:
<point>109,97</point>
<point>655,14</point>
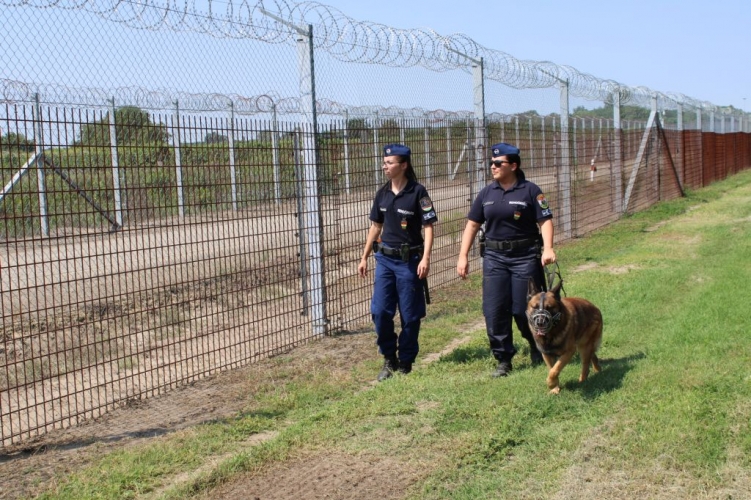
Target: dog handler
<point>401,211</point>
<point>518,243</point>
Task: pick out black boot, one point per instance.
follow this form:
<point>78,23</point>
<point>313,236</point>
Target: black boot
<point>502,370</point>
<point>390,365</point>
<point>404,367</point>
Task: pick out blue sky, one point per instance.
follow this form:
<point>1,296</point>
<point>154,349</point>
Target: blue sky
<point>676,46</point>
<point>696,48</point>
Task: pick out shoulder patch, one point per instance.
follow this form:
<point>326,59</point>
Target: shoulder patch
<point>426,204</point>
<point>542,201</point>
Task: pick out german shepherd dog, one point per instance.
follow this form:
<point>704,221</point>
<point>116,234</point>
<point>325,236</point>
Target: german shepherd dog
<point>561,327</point>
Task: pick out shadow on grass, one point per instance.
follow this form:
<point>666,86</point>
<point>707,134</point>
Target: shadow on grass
<point>466,354</point>
<point>609,379</point>
<point>30,449</point>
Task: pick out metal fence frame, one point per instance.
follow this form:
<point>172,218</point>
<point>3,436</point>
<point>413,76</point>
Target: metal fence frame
<point>152,238</point>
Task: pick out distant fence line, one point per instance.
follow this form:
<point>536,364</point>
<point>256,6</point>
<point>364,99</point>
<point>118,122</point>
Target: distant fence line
<point>12,91</point>
<point>175,130</point>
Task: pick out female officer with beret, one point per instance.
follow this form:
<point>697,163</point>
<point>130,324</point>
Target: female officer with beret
<point>401,211</point>
<point>518,225</point>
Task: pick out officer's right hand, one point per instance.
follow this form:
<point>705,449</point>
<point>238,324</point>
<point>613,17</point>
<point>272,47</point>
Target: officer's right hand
<point>362,268</point>
<point>462,266</point>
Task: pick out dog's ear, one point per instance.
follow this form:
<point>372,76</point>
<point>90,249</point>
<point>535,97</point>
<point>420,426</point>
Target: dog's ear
<point>532,289</point>
<point>557,289</point>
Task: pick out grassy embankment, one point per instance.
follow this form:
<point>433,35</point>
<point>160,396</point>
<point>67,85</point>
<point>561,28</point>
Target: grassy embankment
<point>668,417</point>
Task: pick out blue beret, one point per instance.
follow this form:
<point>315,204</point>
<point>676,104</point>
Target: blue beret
<point>503,149</point>
<point>396,150</point>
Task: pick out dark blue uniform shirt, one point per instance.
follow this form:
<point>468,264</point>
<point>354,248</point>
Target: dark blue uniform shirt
<point>403,214</point>
<point>512,214</point>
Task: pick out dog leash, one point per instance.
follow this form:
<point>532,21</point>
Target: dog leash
<point>551,271</point>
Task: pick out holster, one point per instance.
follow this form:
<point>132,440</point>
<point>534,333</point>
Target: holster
<point>481,240</point>
<point>404,252</point>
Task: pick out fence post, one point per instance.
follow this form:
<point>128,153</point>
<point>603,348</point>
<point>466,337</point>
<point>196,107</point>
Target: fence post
<point>481,146</point>
<point>41,178</point>
<point>531,143</point>
<point>476,181</point>
<point>617,171</point>
<point>679,149</point>
<point>231,143</point>
<point>300,208</point>
<point>401,127</point>
<point>346,152</point>
<point>698,119</point>
<point>566,185</point>
<point>544,144</point>
<point>115,165</point>
<point>376,151</point>
<point>575,144</point>
<point>275,155</point>
<point>313,216</point>
<point>178,161</point>
<point>711,120</point>
<point>448,147</point>
<point>426,140</point>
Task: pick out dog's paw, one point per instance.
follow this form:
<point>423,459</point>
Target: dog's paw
<point>555,390</point>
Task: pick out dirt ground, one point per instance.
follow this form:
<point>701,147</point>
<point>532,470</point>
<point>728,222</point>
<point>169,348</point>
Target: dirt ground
<point>330,476</point>
<point>27,471</point>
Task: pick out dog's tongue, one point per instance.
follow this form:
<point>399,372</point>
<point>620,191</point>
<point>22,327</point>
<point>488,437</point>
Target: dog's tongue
<point>539,333</point>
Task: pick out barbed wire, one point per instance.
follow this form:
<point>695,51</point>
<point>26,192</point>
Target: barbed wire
<point>351,40</point>
<point>13,91</point>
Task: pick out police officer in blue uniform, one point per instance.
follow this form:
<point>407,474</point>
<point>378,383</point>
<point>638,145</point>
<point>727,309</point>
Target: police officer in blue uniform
<point>518,243</point>
<point>401,212</point>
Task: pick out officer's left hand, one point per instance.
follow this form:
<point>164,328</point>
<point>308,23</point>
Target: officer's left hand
<point>548,256</point>
<point>423,268</point>
<point>362,268</point>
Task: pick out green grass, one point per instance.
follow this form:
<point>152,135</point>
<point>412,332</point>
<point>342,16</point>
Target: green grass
<point>668,417</point>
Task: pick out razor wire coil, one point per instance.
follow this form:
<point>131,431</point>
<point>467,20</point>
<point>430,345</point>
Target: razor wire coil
<point>350,40</point>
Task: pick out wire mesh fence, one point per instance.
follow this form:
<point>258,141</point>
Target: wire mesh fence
<point>197,198</point>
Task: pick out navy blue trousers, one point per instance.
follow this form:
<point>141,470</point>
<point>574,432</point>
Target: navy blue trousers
<point>505,276</point>
<point>397,285</point>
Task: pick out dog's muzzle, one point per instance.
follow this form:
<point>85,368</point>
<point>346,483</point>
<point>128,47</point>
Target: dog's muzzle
<point>541,320</point>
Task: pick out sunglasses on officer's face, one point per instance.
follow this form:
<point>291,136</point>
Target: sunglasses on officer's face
<point>498,163</point>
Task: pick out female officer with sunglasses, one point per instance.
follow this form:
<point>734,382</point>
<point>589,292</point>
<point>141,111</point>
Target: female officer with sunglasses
<point>518,244</point>
<point>402,211</point>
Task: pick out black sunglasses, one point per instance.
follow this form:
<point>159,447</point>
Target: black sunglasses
<point>498,163</point>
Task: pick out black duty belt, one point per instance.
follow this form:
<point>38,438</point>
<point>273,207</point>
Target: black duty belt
<point>396,252</point>
<point>511,244</point>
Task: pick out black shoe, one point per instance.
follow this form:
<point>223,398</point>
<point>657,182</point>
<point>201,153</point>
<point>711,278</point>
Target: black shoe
<point>390,365</point>
<point>536,358</point>
<point>404,368</point>
<point>503,369</point>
